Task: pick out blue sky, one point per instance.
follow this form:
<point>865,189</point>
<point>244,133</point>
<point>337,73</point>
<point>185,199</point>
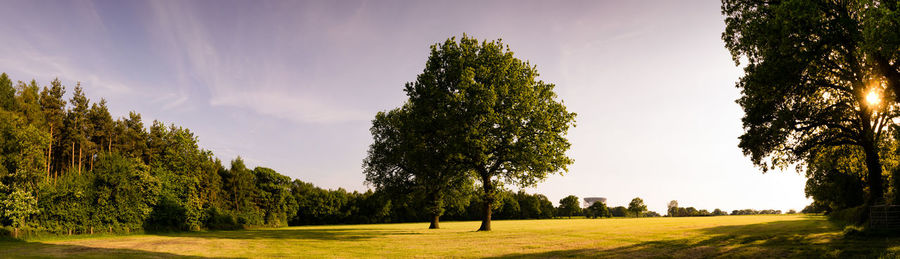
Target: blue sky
<point>293,85</point>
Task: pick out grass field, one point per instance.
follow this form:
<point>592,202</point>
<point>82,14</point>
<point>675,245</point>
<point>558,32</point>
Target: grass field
<point>729,236</point>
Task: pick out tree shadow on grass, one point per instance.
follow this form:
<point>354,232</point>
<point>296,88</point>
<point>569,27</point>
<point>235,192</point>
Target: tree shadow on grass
<point>11,248</point>
<point>326,234</point>
<point>779,239</point>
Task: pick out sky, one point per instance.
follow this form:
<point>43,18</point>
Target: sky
<point>294,85</point>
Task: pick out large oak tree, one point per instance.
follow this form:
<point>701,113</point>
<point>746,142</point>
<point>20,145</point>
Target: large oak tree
<point>814,79</point>
<point>508,126</point>
<point>412,154</point>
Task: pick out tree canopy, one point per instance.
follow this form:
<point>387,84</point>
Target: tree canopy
<point>410,154</point>
<point>637,207</point>
<point>568,206</point>
<point>816,77</point>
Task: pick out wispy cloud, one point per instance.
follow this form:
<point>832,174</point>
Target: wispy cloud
<point>303,108</point>
<point>201,61</point>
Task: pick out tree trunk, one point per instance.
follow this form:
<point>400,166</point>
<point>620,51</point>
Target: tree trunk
<point>874,178</point>
<point>434,222</point>
<point>49,152</point>
<point>486,218</point>
<point>488,201</point>
<point>73,156</point>
<point>79,159</point>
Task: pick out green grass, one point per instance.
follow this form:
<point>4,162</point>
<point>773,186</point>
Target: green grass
<point>726,236</point>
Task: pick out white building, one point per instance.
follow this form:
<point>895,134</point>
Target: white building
<point>588,201</point>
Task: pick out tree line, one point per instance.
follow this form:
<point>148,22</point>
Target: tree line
<point>68,167</point>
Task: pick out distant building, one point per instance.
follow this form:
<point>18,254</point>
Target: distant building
<point>588,201</point>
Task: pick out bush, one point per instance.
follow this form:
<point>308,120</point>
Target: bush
<point>850,216</point>
<point>217,219</point>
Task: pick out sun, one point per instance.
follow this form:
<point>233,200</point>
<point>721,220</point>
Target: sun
<point>873,98</point>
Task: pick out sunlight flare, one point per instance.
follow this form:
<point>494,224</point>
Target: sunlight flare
<point>873,98</point>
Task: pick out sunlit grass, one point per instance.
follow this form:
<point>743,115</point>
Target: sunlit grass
<point>754,236</point>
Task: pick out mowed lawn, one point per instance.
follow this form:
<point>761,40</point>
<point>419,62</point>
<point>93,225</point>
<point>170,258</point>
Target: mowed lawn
<point>728,236</point>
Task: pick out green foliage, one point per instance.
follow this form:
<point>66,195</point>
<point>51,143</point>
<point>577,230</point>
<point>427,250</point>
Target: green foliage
<point>568,206</point>
<point>651,214</point>
<point>7,94</point>
<point>410,155</point>
<point>809,68</point>
<point>21,155</point>
<point>835,178</point>
<point>637,207</point>
<point>500,122</point>
<point>597,210</point>
<point>17,207</point>
<point>216,219</point>
<point>619,211</point>
<point>718,212</point>
<point>754,212</point>
<point>84,171</point>
<point>675,211</point>
<point>816,207</point>
<point>850,216</point>
<point>123,191</point>
<point>274,197</point>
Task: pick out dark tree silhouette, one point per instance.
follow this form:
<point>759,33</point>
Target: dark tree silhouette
<point>811,80</point>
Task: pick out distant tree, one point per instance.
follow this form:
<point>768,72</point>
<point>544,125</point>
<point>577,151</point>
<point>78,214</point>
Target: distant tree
<point>7,93</point>
<point>240,188</point>
<point>672,209</point>
<point>273,196</point>
<point>77,128</point>
<point>718,212</point>
<point>28,101</point>
<point>568,206</point>
<point>811,67</point>
<point>637,207</point>
<point>619,211</point>
<point>704,212</point>
<point>792,211</point>
<point>690,212</point>
<point>530,205</point>
<point>547,209</point>
<point>682,212</point>
<point>509,207</point>
<point>816,207</point>
<point>53,106</point>
<point>650,214</point>
<point>102,131</point>
<point>598,209</point>
<point>131,137</point>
